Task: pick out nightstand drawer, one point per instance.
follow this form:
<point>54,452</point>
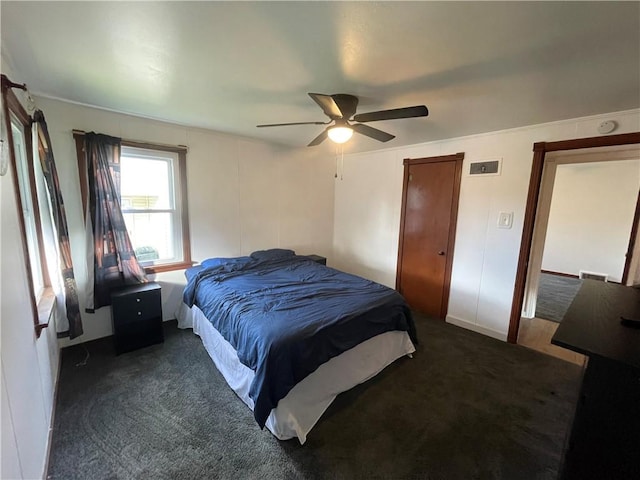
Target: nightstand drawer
<point>136,307</point>
<point>136,312</point>
<point>132,336</point>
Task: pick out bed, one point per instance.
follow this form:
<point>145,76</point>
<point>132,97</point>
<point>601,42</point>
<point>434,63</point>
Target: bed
<point>289,334</point>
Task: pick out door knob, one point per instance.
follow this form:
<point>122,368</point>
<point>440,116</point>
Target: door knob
<point>440,252</point>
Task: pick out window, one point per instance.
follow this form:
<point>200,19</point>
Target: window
<point>19,134</point>
<point>152,204</point>
<point>153,198</point>
<point>28,203</point>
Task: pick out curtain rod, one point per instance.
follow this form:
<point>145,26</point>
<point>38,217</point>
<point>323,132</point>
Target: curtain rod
<point>139,144</point>
<point>6,83</point>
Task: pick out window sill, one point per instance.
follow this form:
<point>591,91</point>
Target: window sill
<point>45,309</point>
<point>168,267</point>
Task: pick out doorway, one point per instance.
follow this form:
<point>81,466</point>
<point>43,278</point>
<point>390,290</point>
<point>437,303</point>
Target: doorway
<point>431,190</point>
<point>537,209</point>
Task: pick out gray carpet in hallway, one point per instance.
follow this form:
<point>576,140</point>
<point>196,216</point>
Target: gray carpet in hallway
<point>555,294</point>
<point>465,407</point>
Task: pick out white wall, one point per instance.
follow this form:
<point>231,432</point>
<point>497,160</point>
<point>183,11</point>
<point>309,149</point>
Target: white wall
<point>591,216</point>
<point>367,214</point>
<point>29,366</point>
<point>244,195</point>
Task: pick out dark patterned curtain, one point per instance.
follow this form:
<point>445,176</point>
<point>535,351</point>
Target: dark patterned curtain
<point>114,262</point>
<point>73,328</point>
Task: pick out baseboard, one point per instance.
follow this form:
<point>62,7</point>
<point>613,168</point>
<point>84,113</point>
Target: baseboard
<point>489,332</point>
<point>53,416</point>
<point>569,275</point>
<point>560,274</point>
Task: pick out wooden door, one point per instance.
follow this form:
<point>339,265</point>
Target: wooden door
<point>427,232</point>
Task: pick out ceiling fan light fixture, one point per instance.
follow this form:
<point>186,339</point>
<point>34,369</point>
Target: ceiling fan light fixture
<point>341,109</point>
<point>340,134</point>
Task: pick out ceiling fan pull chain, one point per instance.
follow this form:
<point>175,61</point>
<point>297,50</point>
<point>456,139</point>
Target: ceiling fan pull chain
<point>339,161</point>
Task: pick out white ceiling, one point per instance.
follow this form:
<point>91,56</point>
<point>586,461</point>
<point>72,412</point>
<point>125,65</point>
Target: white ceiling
<point>478,66</point>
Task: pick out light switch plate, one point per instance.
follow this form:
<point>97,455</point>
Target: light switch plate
<point>505,220</point>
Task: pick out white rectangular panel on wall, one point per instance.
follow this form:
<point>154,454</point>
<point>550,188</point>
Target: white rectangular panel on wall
<point>10,464</point>
<point>368,199</point>
<point>258,194</point>
<point>214,203</point>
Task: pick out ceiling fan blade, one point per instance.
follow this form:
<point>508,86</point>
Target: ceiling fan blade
<point>294,123</point>
<point>327,104</point>
<point>395,113</point>
<point>372,132</point>
<point>319,139</point>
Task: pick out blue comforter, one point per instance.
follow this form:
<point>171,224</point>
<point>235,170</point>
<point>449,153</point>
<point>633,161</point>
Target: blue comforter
<point>286,315</point>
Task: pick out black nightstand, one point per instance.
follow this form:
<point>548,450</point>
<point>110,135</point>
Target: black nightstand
<point>136,312</point>
<point>318,259</point>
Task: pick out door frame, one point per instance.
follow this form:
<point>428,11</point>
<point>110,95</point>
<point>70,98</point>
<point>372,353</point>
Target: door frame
<point>458,159</point>
<point>540,149</point>
<point>632,243</point>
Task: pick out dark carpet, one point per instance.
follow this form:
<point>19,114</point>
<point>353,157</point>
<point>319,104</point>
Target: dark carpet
<point>465,407</point>
<point>555,294</point>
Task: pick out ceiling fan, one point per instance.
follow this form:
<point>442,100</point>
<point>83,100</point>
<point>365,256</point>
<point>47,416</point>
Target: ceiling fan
<point>341,109</point>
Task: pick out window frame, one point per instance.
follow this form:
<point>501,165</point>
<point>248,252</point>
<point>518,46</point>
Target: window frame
<point>176,199</point>
<point>180,190</point>
<point>41,302</point>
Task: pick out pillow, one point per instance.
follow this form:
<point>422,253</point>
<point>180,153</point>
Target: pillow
<point>217,261</point>
<point>192,271</point>
<point>272,254</point>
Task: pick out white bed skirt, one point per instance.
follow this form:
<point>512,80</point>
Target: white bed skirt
<point>298,412</point>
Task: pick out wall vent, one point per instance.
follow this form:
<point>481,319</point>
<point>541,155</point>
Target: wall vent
<point>489,167</point>
<point>603,277</point>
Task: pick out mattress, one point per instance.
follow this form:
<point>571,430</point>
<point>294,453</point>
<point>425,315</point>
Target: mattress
<point>297,413</point>
<point>285,316</point>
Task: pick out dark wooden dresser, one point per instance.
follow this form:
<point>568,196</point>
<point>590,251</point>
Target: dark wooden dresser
<point>136,312</point>
<point>605,435</point>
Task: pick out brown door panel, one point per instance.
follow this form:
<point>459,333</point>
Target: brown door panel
<point>429,208</point>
